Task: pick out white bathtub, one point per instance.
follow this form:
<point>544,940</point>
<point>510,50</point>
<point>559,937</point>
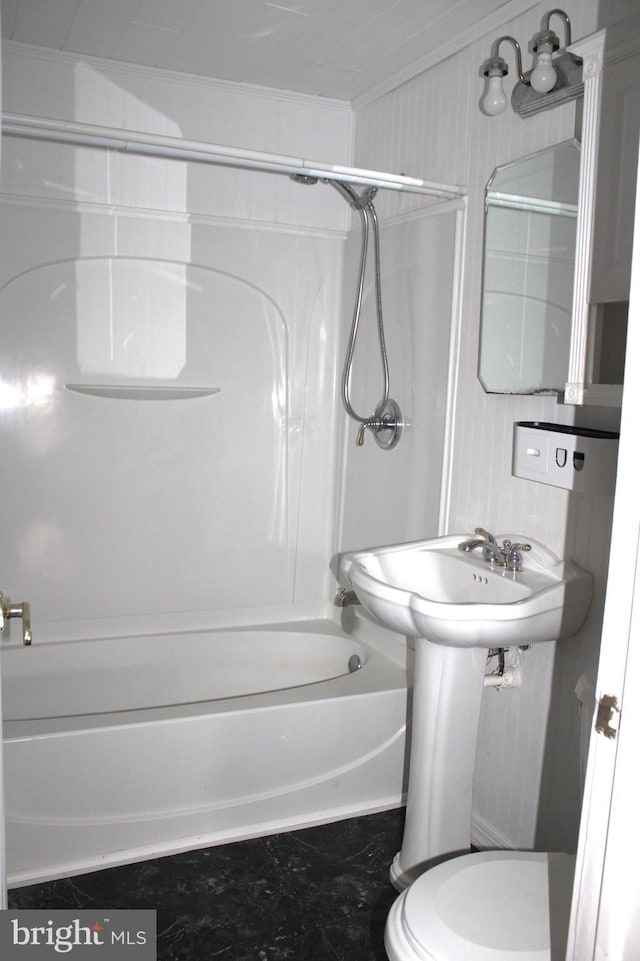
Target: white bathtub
<point>129,748</point>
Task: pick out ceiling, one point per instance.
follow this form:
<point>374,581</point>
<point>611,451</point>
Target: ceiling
<point>344,49</point>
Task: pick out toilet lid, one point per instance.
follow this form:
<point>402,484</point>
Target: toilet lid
<point>491,906</point>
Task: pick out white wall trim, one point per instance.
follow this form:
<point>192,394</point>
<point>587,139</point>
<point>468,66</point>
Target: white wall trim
<point>13,48</point>
<point>439,208</point>
<point>3,867</point>
<point>487,837</point>
<point>454,368</point>
<point>175,216</point>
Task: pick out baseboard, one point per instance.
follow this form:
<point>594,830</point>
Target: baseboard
<point>486,836</point>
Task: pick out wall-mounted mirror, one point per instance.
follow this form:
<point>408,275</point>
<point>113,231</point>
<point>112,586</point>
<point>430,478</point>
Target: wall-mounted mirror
<point>529,251</point>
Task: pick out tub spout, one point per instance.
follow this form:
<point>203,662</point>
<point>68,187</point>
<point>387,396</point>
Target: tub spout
<point>345,598</point>
<point>8,610</point>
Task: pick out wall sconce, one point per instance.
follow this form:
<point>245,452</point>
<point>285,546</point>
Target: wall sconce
<point>553,80</point>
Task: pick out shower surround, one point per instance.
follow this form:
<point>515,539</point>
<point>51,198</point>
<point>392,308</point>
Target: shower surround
<point>172,343</point>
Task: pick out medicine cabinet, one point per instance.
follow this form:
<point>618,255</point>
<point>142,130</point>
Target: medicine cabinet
<point>529,260</point>
<point>610,132</point>
<point>554,316</point>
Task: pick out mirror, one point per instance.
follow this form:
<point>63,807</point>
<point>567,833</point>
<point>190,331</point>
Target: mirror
<point>529,251</point>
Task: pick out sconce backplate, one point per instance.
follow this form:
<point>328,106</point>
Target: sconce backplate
<point>569,86</point>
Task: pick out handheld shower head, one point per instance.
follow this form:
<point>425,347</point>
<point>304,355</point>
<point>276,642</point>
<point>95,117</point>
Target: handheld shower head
<point>352,198</point>
<point>386,421</point>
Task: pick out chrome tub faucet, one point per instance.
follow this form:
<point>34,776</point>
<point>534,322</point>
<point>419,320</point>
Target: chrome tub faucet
<point>8,610</point>
<point>345,598</point>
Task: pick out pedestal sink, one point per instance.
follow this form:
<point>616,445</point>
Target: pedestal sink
<point>457,606</point>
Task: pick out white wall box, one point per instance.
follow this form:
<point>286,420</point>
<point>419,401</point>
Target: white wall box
<point>610,129</point>
<point>577,458</point>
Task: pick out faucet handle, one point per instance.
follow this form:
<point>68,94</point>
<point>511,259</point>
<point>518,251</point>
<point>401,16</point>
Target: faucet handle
<point>489,537</point>
<point>514,557</point>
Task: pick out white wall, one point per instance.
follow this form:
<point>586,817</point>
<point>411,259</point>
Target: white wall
<point>392,496</point>
<point>526,791</point>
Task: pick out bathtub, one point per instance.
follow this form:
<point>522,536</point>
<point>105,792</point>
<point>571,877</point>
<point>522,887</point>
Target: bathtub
<point>128,748</point>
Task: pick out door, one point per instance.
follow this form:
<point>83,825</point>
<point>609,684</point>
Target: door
<point>3,873</point>
<point>605,921</point>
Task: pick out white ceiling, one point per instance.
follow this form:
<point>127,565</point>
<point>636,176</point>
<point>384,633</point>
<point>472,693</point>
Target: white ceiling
<point>345,49</point>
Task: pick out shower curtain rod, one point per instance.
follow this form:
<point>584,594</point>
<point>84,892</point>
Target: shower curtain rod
<point>160,145</point>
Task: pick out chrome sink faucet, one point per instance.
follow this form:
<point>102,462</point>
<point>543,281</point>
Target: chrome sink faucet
<point>508,556</point>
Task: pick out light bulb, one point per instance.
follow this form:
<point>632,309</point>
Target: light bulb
<point>494,100</point>
<point>543,76</point>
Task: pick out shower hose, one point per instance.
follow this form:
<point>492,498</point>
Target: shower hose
<point>385,422</point>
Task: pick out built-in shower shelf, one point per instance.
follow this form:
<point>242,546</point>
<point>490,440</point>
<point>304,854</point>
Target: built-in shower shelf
<point>141,391</point>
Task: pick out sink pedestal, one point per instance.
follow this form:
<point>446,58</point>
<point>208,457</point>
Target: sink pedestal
<point>447,694</point>
<point>458,607</point>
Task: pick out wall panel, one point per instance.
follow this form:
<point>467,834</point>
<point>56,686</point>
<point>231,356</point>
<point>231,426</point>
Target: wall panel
<point>432,127</point>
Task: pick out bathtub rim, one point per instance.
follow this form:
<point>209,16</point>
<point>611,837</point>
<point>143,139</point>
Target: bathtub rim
<point>352,620</point>
<point>381,671</point>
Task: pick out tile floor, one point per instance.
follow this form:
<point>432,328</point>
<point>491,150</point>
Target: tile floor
<point>320,894</point>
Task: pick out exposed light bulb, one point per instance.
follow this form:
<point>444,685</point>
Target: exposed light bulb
<point>494,100</point>
<point>543,76</point>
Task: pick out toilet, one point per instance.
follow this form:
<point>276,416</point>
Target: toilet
<point>489,906</point>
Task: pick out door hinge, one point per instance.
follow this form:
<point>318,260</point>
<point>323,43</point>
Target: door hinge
<point>608,716</point>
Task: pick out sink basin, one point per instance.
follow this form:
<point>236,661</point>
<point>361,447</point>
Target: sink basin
<point>431,589</point>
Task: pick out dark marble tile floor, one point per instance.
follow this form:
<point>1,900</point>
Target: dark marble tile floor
<point>320,894</point>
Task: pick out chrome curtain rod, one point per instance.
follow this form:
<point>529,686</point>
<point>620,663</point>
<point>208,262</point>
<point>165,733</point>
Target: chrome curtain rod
<point>160,145</point>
